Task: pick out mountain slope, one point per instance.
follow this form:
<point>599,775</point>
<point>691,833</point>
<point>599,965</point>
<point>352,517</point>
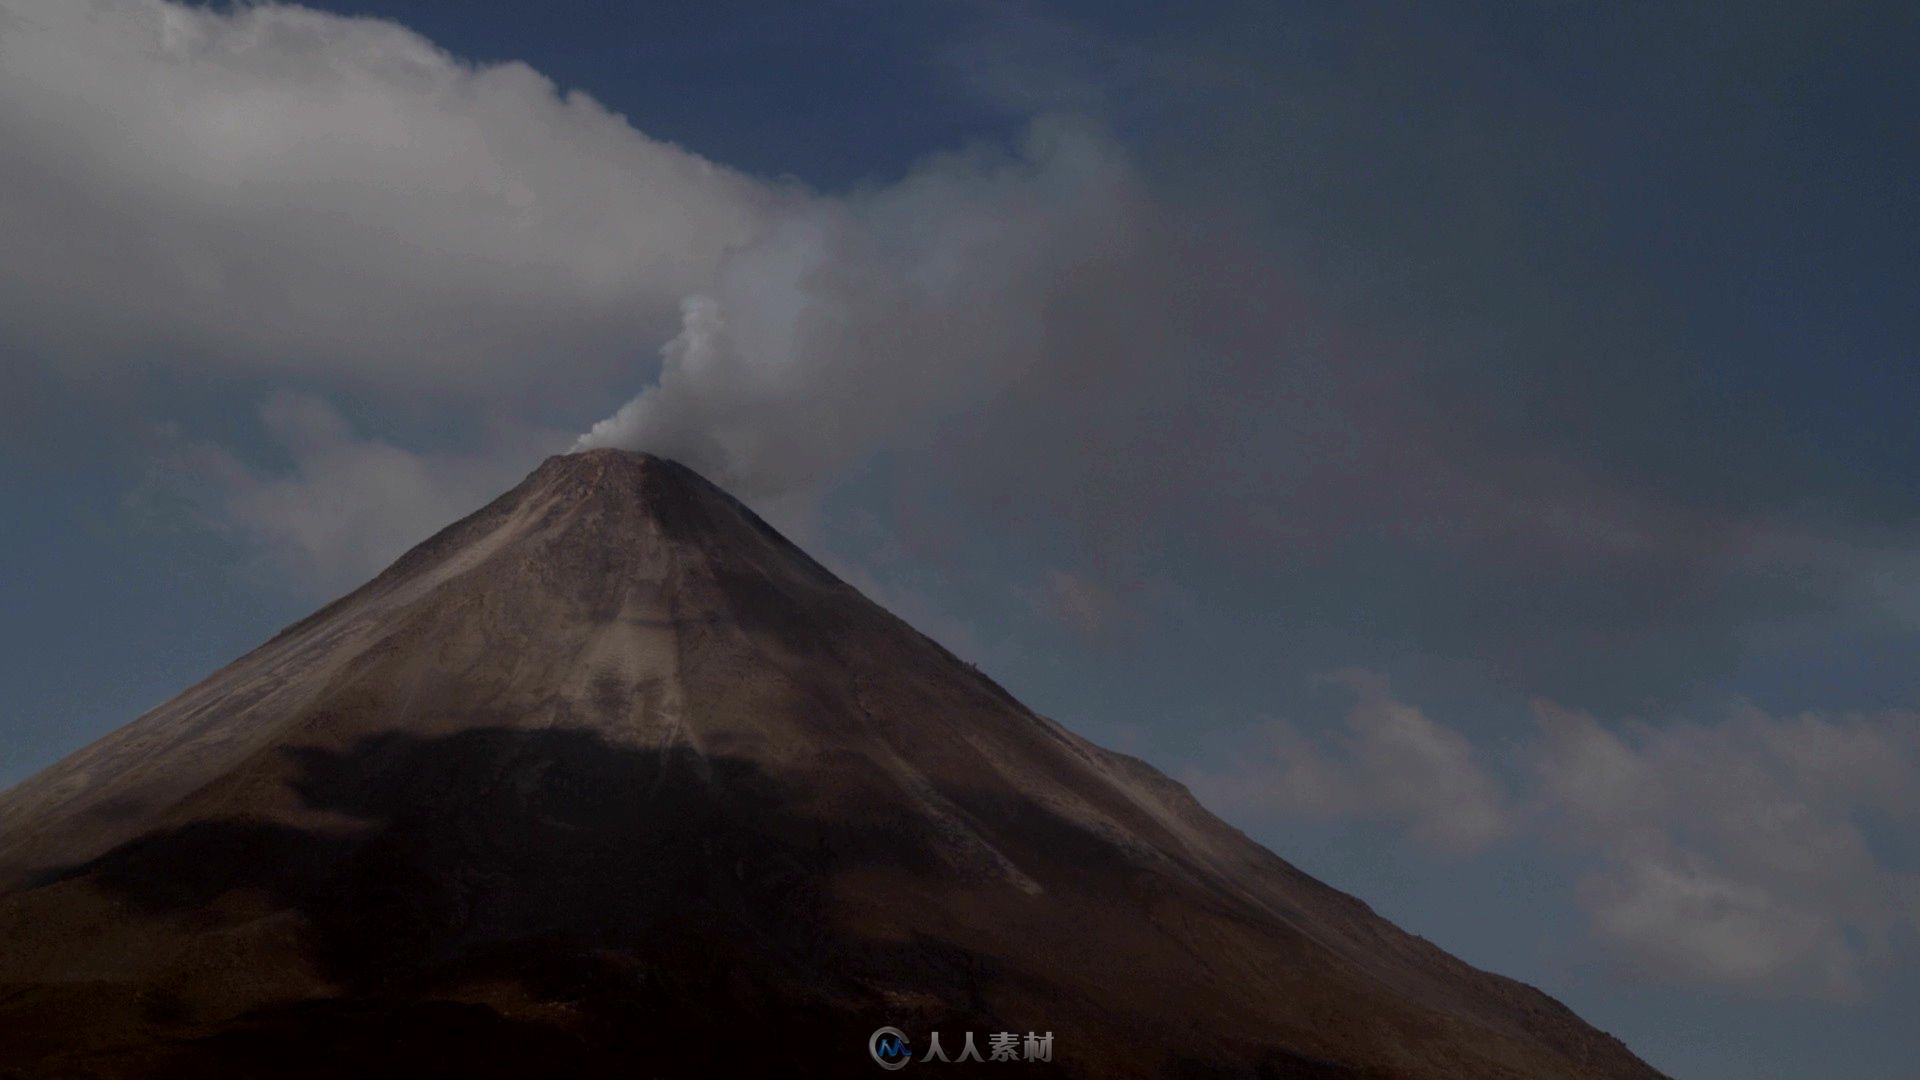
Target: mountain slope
<point>609,778</point>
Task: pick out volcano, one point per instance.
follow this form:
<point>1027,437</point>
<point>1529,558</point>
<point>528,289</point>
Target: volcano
<point>610,779</point>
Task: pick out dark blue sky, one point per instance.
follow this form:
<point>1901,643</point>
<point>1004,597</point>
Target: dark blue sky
<point>833,93</point>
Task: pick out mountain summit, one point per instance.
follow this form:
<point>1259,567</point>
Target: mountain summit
<point>611,779</point>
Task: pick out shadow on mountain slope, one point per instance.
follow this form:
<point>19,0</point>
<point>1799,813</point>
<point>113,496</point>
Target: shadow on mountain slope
<point>520,903</point>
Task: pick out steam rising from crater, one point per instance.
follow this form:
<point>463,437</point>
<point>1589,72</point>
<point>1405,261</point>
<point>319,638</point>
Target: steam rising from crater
<point>849,321</point>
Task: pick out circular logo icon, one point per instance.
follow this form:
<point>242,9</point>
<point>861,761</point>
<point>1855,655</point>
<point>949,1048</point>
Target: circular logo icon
<point>889,1048</point>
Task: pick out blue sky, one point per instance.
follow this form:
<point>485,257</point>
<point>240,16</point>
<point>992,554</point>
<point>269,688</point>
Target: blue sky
<point>1469,444</point>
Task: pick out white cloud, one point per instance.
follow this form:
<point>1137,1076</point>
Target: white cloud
<point>1422,773</point>
<point>348,505</point>
<point>1682,920</point>
<point>1085,606</point>
<point>1392,764</point>
<point>269,194</point>
<point>265,194</point>
<point>270,187</point>
<point>1739,854</point>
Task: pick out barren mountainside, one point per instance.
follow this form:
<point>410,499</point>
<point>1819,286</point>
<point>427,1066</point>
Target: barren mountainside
<point>610,779</point>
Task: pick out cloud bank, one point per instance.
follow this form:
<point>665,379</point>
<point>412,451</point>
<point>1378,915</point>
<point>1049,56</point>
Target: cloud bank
<point>1756,853</point>
<point>1392,764</point>
<point>1742,852</point>
<point>271,189</point>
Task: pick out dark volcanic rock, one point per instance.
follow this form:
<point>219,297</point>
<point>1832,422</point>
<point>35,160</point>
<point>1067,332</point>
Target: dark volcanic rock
<point>609,779</point>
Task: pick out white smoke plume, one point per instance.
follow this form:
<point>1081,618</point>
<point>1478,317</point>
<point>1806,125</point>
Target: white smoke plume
<point>849,321</point>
